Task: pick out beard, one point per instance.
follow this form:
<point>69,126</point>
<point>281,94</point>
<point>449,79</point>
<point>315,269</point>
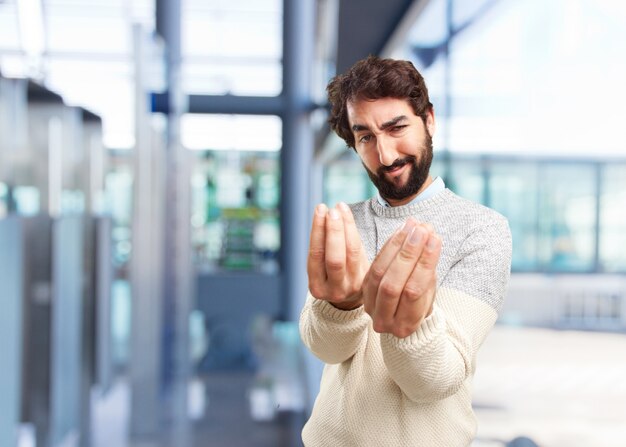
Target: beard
<point>392,188</point>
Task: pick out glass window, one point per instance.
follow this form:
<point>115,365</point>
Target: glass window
<point>88,57</point>
<point>119,197</point>
<point>513,69</point>
<point>4,200</point>
<point>232,47</point>
<point>235,216</point>
<point>567,217</point>
<point>613,219</point>
<point>345,180</point>
<point>9,31</point>
<point>513,191</point>
<point>231,132</point>
<point>466,179</point>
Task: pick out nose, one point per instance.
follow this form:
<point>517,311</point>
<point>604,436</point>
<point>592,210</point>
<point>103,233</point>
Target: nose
<point>387,153</point>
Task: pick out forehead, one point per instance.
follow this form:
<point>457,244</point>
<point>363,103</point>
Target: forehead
<point>377,111</point>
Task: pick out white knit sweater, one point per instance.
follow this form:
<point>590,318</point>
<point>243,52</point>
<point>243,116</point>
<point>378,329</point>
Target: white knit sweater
<point>380,390</point>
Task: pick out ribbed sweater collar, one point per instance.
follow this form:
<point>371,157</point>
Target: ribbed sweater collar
<point>411,209</point>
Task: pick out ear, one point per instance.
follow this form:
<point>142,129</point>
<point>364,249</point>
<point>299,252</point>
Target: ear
<point>430,122</point>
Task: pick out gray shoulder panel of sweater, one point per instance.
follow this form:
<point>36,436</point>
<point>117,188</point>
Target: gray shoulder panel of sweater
<point>476,252</point>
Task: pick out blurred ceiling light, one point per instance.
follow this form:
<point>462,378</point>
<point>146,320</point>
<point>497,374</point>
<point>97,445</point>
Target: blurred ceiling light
<point>32,34</point>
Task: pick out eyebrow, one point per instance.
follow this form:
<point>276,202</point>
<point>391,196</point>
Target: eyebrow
<point>392,122</point>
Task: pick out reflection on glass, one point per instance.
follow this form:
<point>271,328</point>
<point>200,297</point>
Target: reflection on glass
<point>467,180</point>
<point>235,221</point>
<point>613,219</point>
<point>218,57</point>
<point>4,200</point>
<point>567,217</point>
<point>119,184</point>
<point>228,132</point>
<point>513,190</point>
<point>27,200</point>
<point>346,181</point>
<point>552,207</point>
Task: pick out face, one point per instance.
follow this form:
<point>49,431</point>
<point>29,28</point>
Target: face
<point>395,146</point>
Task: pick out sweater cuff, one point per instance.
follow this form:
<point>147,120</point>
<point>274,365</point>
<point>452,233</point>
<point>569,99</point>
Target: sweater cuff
<point>429,329</point>
<point>329,312</point>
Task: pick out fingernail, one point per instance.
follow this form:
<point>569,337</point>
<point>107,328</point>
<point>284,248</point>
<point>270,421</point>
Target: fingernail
<point>343,206</point>
<point>334,214</point>
<point>416,236</point>
<point>406,228</point>
<point>321,209</point>
<point>432,241</point>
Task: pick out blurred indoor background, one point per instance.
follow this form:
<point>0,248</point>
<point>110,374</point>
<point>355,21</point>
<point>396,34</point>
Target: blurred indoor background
<point>159,164</point>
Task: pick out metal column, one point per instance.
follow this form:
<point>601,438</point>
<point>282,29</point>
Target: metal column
<point>297,151</point>
<point>11,278</point>
<point>145,361</point>
<point>178,270</point>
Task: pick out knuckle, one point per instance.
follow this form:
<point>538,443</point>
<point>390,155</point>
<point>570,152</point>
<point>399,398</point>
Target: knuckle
<point>316,254</point>
<point>354,289</point>
<point>403,332</point>
<point>336,297</point>
<point>334,265</point>
<point>397,240</point>
<point>406,255</point>
<point>413,292</point>
<point>377,273</point>
<point>379,326</point>
<point>353,251</point>
<point>389,289</point>
<point>317,290</point>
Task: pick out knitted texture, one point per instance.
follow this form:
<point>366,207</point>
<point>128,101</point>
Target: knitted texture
<point>380,390</point>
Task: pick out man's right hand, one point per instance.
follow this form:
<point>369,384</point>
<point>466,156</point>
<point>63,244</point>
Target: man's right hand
<point>337,262</point>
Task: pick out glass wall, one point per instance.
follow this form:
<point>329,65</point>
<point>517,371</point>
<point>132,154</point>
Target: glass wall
<point>612,234</point>
<point>235,220</point>
<point>236,191</point>
<point>514,191</point>
<point>565,216</point>
<point>232,47</point>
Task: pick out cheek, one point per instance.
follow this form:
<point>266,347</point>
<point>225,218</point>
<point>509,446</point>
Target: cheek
<point>371,161</point>
<point>410,145</point>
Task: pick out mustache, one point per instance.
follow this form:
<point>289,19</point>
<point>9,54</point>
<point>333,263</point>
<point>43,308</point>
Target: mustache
<point>398,163</point>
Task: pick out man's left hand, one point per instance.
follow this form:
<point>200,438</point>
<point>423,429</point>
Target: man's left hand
<point>399,288</point>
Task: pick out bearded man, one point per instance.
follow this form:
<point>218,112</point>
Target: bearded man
<point>403,287</point>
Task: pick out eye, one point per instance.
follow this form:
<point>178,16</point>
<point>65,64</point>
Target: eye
<point>365,139</point>
<point>398,128</point>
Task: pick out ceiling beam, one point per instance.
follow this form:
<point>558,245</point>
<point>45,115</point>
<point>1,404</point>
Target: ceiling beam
<point>365,26</point>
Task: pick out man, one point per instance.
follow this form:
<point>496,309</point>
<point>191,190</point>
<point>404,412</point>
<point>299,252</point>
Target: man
<point>404,287</point>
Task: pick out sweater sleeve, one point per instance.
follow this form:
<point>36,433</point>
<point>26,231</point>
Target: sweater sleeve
<point>433,363</point>
<point>332,334</point>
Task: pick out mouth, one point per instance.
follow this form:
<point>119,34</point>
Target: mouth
<point>396,169</point>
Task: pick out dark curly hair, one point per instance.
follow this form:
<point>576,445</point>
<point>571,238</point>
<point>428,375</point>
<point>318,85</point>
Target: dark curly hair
<point>375,78</point>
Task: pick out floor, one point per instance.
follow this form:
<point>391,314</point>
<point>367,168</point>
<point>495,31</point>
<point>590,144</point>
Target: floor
<point>228,421</point>
<point>556,388</point>
<point>225,420</point>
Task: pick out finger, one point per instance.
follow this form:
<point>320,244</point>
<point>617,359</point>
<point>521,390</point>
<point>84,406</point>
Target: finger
<point>335,253</point>
<point>380,264</point>
<point>316,268</point>
<point>392,285</point>
<point>356,258</point>
<point>429,227</point>
<point>417,298</point>
<point>432,250</point>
